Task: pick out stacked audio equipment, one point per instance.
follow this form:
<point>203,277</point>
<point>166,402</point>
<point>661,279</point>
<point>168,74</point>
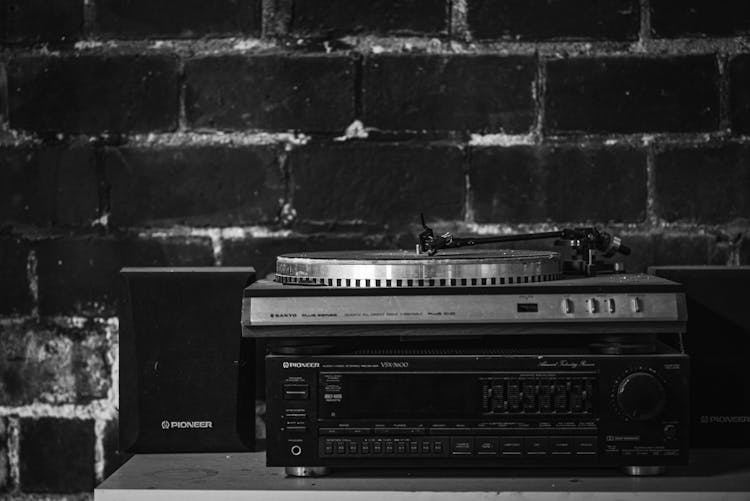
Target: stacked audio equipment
<point>447,357</point>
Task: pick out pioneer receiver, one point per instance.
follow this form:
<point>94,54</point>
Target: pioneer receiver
<point>477,408</point>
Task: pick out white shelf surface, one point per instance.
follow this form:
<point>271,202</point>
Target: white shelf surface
<point>713,474</point>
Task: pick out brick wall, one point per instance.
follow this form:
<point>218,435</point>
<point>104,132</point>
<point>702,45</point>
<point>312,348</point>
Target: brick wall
<point>175,133</point>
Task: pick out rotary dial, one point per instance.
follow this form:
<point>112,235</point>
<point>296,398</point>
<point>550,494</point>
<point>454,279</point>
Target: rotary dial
<point>641,396</point>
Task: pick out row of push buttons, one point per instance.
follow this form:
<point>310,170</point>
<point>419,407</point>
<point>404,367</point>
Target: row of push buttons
<point>460,446</point>
<point>529,446</point>
<point>601,305</point>
<point>388,447</point>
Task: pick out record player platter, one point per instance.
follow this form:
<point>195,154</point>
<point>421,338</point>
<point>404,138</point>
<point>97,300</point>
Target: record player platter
<point>400,268</point>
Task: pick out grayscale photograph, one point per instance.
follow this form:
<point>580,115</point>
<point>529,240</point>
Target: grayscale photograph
<point>374,250</point>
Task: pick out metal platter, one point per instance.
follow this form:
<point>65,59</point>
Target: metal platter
<point>400,268</point>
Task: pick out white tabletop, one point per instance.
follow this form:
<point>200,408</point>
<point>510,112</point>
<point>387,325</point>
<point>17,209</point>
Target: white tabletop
<point>713,474</point>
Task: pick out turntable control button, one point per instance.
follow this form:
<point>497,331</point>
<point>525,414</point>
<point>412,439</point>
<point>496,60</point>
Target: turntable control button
<point>593,305</point>
<point>636,304</point>
<point>611,305</point>
<point>567,306</point>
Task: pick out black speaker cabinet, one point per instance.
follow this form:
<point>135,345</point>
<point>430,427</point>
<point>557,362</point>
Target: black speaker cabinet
<point>187,378</point>
<point>718,342</point>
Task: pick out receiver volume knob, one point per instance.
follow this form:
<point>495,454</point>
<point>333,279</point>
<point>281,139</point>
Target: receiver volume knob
<point>641,396</point>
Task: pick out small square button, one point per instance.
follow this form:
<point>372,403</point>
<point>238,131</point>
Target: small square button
<point>511,446</point>
<point>486,446</point>
<point>536,446</point>
<point>561,445</point>
<point>462,445</point>
<point>585,446</point>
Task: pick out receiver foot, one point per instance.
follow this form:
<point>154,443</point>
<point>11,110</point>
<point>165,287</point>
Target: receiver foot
<point>643,471</point>
<point>306,471</point>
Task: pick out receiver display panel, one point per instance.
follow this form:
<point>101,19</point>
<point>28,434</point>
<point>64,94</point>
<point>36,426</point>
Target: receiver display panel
<point>398,395</point>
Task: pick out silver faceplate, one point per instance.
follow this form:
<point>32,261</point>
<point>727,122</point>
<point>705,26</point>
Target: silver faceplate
<point>464,308</point>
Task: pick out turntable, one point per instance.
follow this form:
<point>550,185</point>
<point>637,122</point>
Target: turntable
<point>443,284</point>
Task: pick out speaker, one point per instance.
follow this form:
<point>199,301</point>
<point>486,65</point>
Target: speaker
<point>718,342</point>
<point>187,378</point>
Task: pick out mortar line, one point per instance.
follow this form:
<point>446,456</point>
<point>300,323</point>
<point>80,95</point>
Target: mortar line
<point>182,122</point>
<point>217,244</point>
<point>104,189</point>
<point>4,97</point>
<point>220,46</point>
<point>540,95</point>
<point>652,216</point>
<point>14,446</point>
<point>214,235</point>
<point>644,30</point>
<point>89,18</point>
<point>725,119</point>
<point>199,138</point>
<point>735,255</point>
<point>276,17</point>
<point>234,233</point>
<point>99,431</point>
<point>458,21</point>
<point>287,213</point>
<point>211,137</point>
<point>266,13</point>
<point>113,398</point>
<point>32,277</point>
<point>468,192</point>
<point>100,408</point>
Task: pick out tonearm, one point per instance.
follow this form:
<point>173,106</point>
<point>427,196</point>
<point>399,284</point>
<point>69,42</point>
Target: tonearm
<point>585,243</point>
